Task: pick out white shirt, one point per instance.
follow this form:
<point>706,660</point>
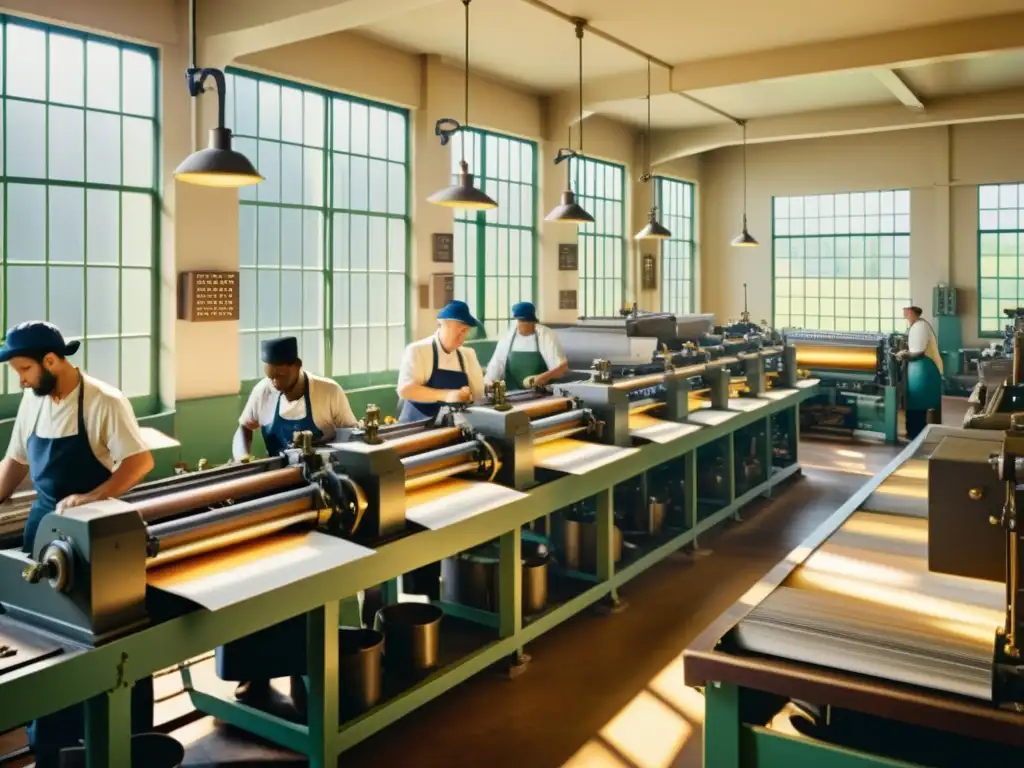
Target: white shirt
<point>418,362</point>
<point>109,420</point>
<point>326,397</point>
<point>543,340</point>
<point>921,339</point>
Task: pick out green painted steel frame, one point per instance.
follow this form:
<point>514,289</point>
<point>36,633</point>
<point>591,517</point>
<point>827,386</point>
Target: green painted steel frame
<point>328,209</point>
<point>99,676</point>
<point>731,743</point>
<point>143,405</point>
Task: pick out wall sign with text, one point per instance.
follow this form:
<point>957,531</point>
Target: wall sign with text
<point>206,297</point>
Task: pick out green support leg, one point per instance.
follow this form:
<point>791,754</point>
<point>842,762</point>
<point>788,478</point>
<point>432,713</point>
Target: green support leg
<point>730,470</point>
<point>350,612</point>
<point>722,726</point>
<point>691,507</point>
<point>605,549</point>
<point>108,728</point>
<point>322,666</point>
<point>510,595</point>
<point>892,415</point>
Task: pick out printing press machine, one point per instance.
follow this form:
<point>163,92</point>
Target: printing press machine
<point>861,381</point>
<point>998,392</point>
<point>117,590</point>
<point>892,635</point>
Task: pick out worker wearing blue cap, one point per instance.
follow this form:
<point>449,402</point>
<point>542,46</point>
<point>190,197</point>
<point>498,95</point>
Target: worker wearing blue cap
<point>288,400</point>
<point>77,439</point>
<point>529,355</point>
<point>438,369</point>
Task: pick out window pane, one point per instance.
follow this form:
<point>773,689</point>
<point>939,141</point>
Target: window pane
<point>1000,252</point>
<point>675,213</point>
<point>601,244</point>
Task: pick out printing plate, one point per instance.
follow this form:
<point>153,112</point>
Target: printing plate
<point>20,647</point>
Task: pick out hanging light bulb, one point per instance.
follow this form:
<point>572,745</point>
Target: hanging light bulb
<point>568,210</point>
<point>744,239</point>
<point>462,194</point>
<point>218,165</point>
<point>654,229</point>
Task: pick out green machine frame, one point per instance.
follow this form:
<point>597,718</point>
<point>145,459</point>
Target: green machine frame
<point>102,677</point>
<point>742,692</point>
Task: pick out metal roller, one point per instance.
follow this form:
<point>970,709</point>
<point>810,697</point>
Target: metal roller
<point>540,425</point>
<point>543,407</point>
<point>407,445</point>
<point>439,458</point>
<point>837,357</point>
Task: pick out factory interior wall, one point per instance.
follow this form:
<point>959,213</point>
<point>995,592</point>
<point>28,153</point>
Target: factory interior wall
<point>200,388</point>
<point>942,167</point>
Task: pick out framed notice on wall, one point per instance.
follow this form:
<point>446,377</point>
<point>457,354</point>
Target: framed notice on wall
<point>649,273</point>
<point>444,248</point>
<point>207,297</point>
<point>567,299</point>
<point>568,257</point>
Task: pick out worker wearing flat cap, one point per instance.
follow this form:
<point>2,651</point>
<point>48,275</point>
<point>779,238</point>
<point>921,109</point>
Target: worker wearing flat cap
<point>924,372</point>
<point>438,369</point>
<point>529,355</point>
<point>77,439</point>
<point>287,401</point>
<point>290,400</point>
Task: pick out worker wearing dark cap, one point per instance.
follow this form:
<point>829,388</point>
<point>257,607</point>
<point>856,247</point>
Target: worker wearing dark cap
<point>290,400</point>
<point>438,369</point>
<point>530,355</point>
<point>287,401</point>
<point>77,439</point>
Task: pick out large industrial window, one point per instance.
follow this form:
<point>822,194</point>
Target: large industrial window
<point>495,250</point>
<point>78,185</point>
<point>600,189</point>
<point>323,241</point>
<point>842,262</point>
<point>1000,254</point>
<point>675,207</point>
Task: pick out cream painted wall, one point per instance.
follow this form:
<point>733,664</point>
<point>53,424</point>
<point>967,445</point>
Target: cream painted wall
<point>941,166</point>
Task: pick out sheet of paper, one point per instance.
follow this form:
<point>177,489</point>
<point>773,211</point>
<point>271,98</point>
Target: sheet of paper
<point>709,417</point>
<point>805,383</point>
<point>647,427</point>
<point>746,403</point>
<point>575,457</point>
<point>156,440</point>
<point>778,394</point>
<point>455,500</point>
<point>230,576</point>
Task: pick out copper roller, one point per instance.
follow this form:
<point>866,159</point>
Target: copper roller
<point>546,406</point>
<point>427,440</point>
<point>839,357</point>
<point>249,485</point>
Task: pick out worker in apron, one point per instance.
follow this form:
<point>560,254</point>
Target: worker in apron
<point>77,439</point>
<point>924,372</point>
<point>288,400</point>
<point>439,369</point>
<point>529,356</point>
<point>434,371</point>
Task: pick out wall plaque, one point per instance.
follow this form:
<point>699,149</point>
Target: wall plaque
<point>568,257</point>
<point>567,299</point>
<point>444,247</point>
<point>649,273</point>
<point>205,297</point>
<point>444,290</point>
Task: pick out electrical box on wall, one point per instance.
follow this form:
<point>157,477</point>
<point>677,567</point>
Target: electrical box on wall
<point>443,289</point>
<point>943,300</point>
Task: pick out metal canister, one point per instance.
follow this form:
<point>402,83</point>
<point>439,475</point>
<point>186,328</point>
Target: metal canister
<point>535,576</point>
<point>411,636</point>
<point>359,670</point>
<point>471,578</point>
<point>579,545</point>
<point>650,519</point>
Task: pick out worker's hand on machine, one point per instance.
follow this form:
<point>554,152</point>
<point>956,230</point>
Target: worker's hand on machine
<point>462,395</point>
<point>902,354</point>
<point>75,500</point>
<point>535,382</point>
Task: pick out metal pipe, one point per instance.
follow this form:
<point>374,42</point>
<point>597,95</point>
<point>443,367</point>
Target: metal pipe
<point>424,441</point>
<point>203,496</point>
<point>205,477</point>
<point>175,532</point>
<point>1018,357</point>
<point>552,436</point>
<point>429,478</point>
<point>558,419</point>
<point>543,406</point>
<point>287,518</point>
<point>425,460</point>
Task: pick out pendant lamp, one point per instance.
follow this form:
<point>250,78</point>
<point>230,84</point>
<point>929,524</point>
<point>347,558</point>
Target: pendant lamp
<point>569,210</point>
<point>463,194</point>
<point>218,165</point>
<point>654,229</point>
<point>744,239</point>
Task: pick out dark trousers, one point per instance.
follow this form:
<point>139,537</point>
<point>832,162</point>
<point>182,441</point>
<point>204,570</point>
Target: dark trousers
<point>918,419</point>
<point>277,651</point>
<point>50,734</point>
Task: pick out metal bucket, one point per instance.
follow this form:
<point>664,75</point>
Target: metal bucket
<point>411,636</point>
<point>471,578</point>
<point>535,577</point>
<point>359,670</point>
<point>153,750</point>
<point>579,545</point>
<point>650,519</point>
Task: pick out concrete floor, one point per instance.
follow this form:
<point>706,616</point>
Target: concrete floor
<point>600,691</point>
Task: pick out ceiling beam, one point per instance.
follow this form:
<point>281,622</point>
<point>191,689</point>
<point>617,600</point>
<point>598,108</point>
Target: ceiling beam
<point>898,88</point>
<point>888,50</point>
<point>229,29</point>
<point>985,107</point>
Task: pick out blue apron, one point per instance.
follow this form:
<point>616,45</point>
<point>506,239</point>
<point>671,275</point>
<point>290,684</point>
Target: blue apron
<point>279,650</point>
<point>60,467</point>
<point>924,385</point>
<point>439,379</point>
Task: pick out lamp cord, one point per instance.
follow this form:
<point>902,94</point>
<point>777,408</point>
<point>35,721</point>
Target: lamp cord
<point>465,122</point>
<point>744,124</point>
<point>579,36</point>
<point>647,140</point>
<point>192,30</point>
